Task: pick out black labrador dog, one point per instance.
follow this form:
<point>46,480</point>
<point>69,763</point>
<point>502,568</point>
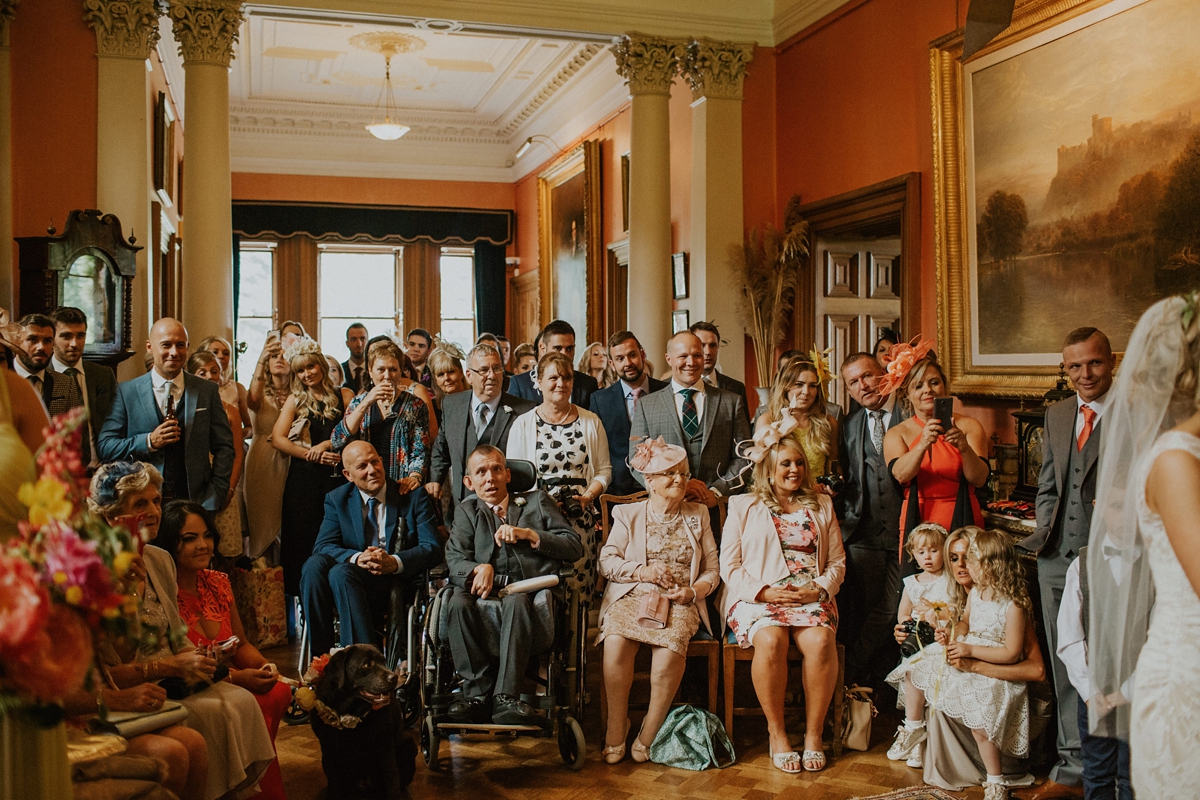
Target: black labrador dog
<point>365,750</point>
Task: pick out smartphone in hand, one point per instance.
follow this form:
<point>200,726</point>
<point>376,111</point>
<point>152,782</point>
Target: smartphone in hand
<point>943,410</point>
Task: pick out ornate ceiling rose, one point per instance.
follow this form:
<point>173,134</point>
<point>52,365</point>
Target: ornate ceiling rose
<point>387,43</point>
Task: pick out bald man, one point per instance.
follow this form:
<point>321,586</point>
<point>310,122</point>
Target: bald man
<point>174,421</point>
<point>706,421</point>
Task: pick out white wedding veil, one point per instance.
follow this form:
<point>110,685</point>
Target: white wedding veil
<point>1120,591</point>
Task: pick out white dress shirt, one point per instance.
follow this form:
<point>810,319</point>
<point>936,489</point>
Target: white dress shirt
<point>628,391</point>
<point>1096,405</point>
<point>1072,638</point>
<point>380,520</point>
<point>698,398</point>
<point>26,374</point>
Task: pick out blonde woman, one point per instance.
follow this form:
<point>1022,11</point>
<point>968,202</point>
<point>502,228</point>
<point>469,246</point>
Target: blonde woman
<point>594,362</point>
<point>205,364</point>
<point>782,563</point>
<point>800,393</point>
<point>303,431</point>
<point>448,377</point>
<point>232,392</point>
<point>266,468</point>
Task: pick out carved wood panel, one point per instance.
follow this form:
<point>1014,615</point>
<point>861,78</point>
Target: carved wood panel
<point>882,273</point>
<point>841,273</point>
<point>843,334</point>
<point>525,307</point>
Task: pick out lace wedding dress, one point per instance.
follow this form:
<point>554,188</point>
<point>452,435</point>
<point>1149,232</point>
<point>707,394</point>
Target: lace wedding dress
<point>1165,727</point>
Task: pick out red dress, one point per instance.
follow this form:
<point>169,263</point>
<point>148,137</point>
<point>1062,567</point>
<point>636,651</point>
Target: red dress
<point>938,480</point>
<point>212,603</point>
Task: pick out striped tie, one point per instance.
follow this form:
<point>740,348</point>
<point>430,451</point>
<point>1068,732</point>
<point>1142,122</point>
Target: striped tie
<point>691,420</point>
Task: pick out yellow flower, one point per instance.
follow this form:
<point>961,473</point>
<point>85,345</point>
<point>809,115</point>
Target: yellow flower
<point>122,561</point>
<point>74,595</point>
<point>46,500</point>
<point>306,698</point>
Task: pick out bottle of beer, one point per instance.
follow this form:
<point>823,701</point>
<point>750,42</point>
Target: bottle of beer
<point>170,414</point>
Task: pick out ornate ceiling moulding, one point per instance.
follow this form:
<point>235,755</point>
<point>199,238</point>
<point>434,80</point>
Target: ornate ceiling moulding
<point>8,11</point>
<point>717,69</point>
<point>387,43</point>
<point>124,28</point>
<point>648,64</point>
<point>206,29</point>
<point>580,59</point>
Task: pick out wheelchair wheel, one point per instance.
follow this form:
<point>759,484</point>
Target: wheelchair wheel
<point>571,744</point>
<point>430,742</point>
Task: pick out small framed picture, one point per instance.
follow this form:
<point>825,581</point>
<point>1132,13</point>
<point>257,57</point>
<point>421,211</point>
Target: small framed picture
<point>679,269</point>
<point>679,321</point>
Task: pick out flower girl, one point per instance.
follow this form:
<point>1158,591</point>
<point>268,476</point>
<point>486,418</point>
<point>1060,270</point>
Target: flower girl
<point>992,629</point>
<point>926,599</point>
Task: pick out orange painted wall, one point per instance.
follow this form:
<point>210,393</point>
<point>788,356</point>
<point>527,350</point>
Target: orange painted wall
<point>758,141</point>
<point>54,108</point>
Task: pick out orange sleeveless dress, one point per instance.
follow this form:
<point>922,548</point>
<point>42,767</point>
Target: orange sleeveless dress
<point>937,487</point>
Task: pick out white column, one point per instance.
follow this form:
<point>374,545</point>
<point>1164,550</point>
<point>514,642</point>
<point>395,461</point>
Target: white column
<point>8,10</point>
<point>126,33</point>
<point>715,71</point>
<point>649,65</point>
<point>206,31</point>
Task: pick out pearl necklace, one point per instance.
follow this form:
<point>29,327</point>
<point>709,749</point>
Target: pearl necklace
<point>660,519</point>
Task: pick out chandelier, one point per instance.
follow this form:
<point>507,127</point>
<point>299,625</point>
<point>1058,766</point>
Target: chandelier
<point>387,44</point>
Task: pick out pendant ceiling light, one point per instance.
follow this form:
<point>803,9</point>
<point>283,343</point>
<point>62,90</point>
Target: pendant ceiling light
<point>385,123</point>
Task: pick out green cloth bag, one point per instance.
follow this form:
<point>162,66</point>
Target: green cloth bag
<point>691,738</point>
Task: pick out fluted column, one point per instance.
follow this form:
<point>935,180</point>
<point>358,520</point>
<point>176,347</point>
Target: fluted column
<point>649,66</point>
<point>8,10</point>
<point>126,33</point>
<point>716,72</point>
<point>206,31</point>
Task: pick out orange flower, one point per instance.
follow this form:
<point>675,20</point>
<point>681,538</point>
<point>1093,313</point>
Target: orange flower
<point>24,604</point>
<point>54,664</point>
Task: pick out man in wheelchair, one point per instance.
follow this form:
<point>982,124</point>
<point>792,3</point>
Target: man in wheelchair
<point>372,537</point>
<point>497,541</point>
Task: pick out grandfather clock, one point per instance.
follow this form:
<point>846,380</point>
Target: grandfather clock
<point>1031,434</point>
<point>90,267</point>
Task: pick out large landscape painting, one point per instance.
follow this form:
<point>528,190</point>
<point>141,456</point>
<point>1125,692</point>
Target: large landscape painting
<point>1083,178</point>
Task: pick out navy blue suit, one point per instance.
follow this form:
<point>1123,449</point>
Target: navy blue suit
<point>330,580</point>
<point>609,405</point>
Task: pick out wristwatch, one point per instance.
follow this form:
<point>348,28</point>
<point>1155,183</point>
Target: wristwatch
<point>822,595</point>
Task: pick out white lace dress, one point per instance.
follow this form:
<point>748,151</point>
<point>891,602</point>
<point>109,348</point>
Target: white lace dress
<point>1165,726</point>
<point>927,663</point>
<point>999,708</point>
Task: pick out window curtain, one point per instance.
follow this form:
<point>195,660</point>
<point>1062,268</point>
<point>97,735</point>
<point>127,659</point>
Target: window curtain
<point>383,224</point>
<point>422,286</point>
<point>296,282</point>
<point>490,284</point>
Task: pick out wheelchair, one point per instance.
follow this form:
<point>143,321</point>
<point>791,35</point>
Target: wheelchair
<point>560,689</point>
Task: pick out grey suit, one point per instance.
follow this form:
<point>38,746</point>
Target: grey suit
<point>207,438</point>
<point>493,639</point>
<point>724,424</point>
<point>1066,491</point>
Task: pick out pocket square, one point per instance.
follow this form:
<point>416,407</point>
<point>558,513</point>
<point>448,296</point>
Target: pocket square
<point>198,410</point>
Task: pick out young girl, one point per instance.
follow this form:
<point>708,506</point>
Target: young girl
<point>992,629</point>
<point>926,596</point>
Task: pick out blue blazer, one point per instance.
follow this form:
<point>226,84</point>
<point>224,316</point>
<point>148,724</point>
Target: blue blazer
<point>207,439</point>
<point>409,519</point>
<point>609,405</point>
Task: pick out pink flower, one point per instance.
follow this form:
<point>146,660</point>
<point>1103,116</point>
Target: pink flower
<point>24,604</point>
<point>54,664</point>
<point>74,568</point>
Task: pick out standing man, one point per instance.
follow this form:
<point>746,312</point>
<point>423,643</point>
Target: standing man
<point>869,508</point>
<point>1066,493</point>
<point>615,404</point>
<point>706,421</point>
<point>505,353</point>
<point>59,394</point>
<point>174,421</point>
<point>483,415</point>
<point>419,344</point>
<point>354,369</point>
<point>97,383</point>
<point>558,336</point>
<point>710,342</point>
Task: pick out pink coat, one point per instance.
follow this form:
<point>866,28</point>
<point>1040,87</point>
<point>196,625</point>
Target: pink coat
<point>751,558</point>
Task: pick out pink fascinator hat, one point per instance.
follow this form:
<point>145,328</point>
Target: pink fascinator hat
<point>756,449</point>
<point>900,359</point>
<point>653,456</point>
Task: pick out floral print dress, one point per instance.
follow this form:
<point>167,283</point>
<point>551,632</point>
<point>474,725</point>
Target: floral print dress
<point>564,470</point>
<point>798,538</point>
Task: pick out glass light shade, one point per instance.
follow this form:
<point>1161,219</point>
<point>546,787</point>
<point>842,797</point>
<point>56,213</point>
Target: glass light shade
<point>388,130</point>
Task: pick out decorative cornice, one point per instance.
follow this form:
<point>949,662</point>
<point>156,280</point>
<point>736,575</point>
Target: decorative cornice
<point>206,29</point>
<point>716,69</point>
<point>8,11</point>
<point>124,28</point>
<point>648,64</point>
<point>585,54</point>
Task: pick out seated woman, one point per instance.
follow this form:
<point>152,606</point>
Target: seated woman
<point>239,746</point>
<point>782,563</point>
<point>661,544</point>
<point>207,608</point>
<point>799,392</point>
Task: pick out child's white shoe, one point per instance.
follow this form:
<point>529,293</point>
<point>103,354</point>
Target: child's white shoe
<point>906,740</point>
<point>915,757</point>
<point>995,791</point>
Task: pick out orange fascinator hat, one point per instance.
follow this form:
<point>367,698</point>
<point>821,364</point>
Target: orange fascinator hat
<point>900,359</point>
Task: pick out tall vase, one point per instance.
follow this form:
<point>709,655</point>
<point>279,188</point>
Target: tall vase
<point>33,760</point>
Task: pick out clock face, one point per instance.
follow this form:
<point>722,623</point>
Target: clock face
<point>1034,437</point>
<point>90,285</point>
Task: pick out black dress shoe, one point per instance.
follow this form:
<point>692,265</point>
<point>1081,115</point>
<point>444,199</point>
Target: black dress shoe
<point>469,710</point>
<point>509,710</point>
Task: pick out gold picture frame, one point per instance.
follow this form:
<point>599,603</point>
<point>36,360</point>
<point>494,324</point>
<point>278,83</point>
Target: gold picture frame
<point>976,321</point>
<point>572,260</point>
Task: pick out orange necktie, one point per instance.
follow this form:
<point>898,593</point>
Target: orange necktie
<point>1089,416</point>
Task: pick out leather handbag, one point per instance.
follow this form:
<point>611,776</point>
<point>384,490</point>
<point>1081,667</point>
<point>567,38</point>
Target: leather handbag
<point>856,735</point>
<point>654,611</point>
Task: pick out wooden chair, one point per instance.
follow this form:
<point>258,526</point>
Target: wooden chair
<point>701,646</point>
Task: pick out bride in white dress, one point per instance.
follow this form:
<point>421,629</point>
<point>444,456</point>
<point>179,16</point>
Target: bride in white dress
<point>1144,554</point>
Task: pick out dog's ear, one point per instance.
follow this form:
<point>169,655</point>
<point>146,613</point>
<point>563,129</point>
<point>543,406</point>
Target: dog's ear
<point>333,681</point>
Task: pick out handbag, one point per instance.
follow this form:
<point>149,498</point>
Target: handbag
<point>692,738</point>
<point>654,611</point>
<point>856,735</point>
<point>258,592</point>
<point>299,432</point>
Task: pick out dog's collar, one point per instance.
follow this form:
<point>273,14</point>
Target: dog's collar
<point>333,720</point>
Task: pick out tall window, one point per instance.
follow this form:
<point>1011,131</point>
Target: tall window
<point>256,304</point>
<point>357,284</point>
<point>458,296</point>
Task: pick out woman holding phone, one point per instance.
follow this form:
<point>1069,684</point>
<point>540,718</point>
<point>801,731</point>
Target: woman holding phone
<point>941,462</point>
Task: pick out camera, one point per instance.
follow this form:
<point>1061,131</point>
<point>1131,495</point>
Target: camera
<point>571,507</point>
<point>833,483</point>
<point>920,634</point>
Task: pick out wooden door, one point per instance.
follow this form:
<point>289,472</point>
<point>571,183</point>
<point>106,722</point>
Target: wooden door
<point>525,308</point>
<point>857,292</point>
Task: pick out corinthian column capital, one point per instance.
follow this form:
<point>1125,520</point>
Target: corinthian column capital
<point>8,10</point>
<point>126,28</point>
<point>717,69</point>
<point>648,64</point>
<point>206,29</point>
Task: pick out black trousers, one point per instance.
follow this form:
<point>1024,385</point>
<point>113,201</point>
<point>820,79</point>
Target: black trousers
<point>492,640</point>
<point>868,603</point>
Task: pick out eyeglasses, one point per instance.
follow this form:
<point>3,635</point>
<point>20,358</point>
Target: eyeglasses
<point>485,371</point>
